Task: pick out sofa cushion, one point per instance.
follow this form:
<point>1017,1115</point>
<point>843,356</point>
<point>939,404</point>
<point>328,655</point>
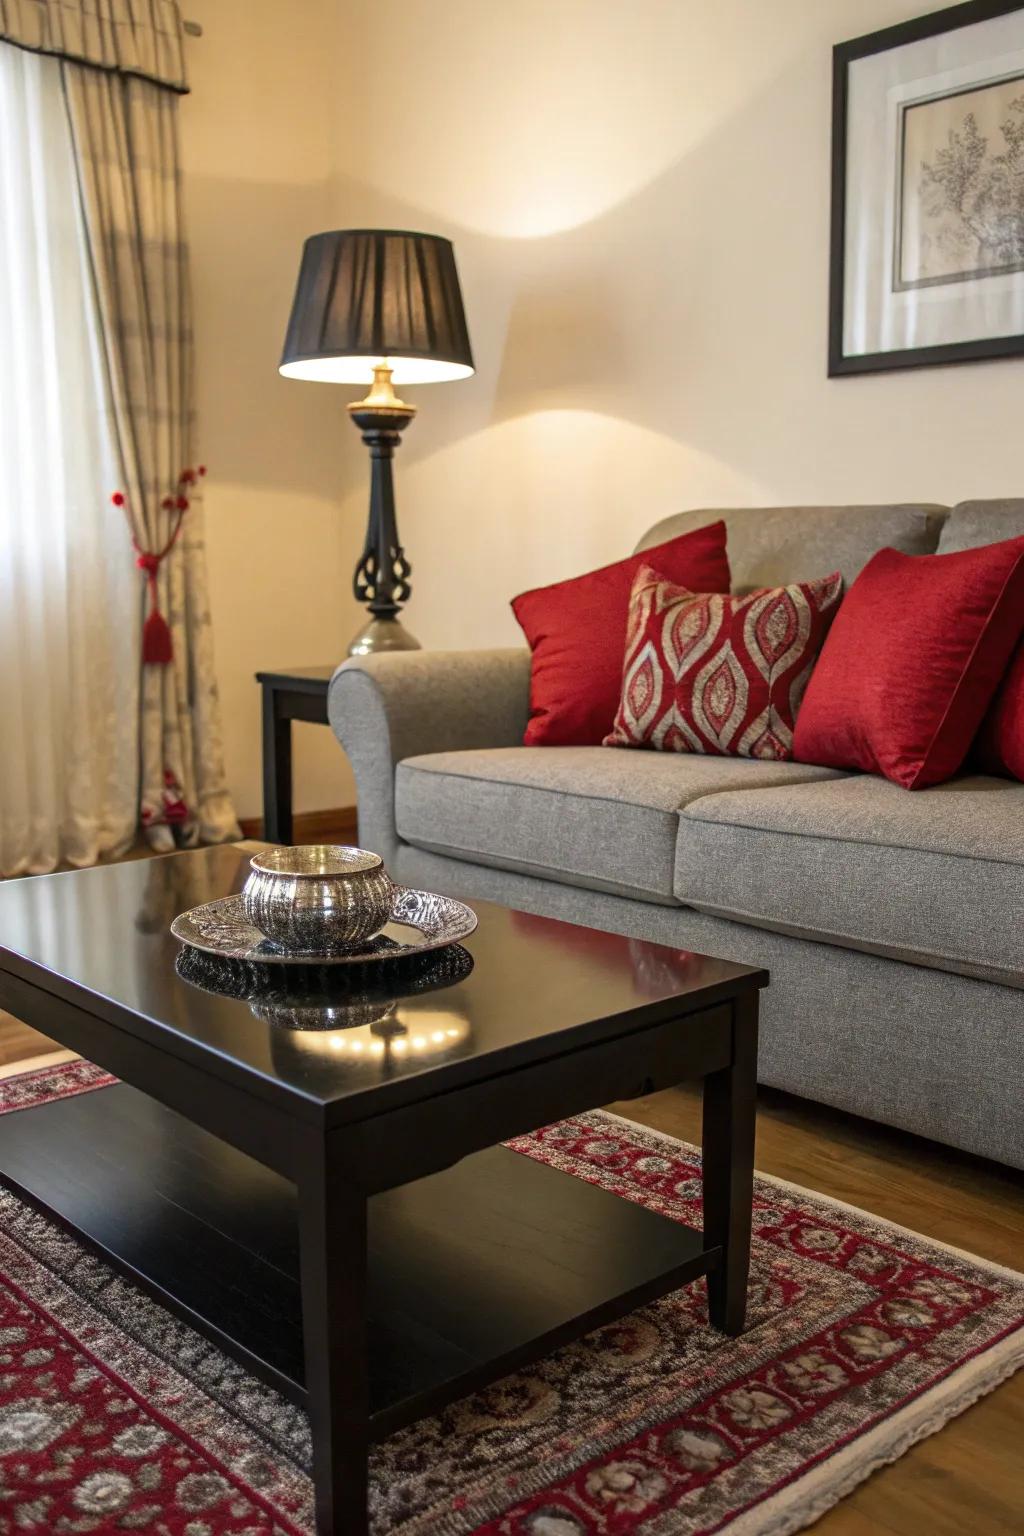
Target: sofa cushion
<point>1000,744</point>
<point>981,522</point>
<point>583,815</point>
<point>912,661</point>
<point>771,546</point>
<point>719,674</point>
<point>999,747</point>
<point>936,878</point>
<point>576,631</point>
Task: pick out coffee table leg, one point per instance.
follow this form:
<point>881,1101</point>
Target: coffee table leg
<point>730,1103</point>
<point>332,1238</point>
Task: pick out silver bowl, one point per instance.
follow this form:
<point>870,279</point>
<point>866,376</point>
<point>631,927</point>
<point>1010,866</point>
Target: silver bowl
<point>323,897</point>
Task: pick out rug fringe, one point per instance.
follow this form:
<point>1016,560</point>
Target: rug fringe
<point>760,1521</point>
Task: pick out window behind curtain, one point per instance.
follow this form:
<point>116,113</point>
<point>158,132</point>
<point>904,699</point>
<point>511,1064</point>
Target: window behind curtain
<point>69,593</point>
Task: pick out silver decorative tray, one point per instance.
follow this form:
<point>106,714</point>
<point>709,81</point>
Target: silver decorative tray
<point>420,921</point>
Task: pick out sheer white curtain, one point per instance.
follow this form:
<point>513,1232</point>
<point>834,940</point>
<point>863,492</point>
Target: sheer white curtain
<point>69,598</point>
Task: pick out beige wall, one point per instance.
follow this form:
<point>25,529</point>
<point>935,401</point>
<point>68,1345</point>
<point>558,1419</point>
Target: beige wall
<point>638,195</point>
<point>257,160</point>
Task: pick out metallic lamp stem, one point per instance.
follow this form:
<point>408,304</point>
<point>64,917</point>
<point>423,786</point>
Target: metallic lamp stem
<point>381,578</point>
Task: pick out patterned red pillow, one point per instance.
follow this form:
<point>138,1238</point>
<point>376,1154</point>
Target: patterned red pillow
<point>719,675</point>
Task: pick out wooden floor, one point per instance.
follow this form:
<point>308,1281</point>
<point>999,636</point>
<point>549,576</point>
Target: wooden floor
<point>969,1479</point>
<point>20,1046</point>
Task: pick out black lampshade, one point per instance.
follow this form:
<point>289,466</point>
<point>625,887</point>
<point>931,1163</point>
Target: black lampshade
<point>367,296</point>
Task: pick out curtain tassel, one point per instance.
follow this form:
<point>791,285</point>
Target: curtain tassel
<point>157,645</point>
<point>157,648</point>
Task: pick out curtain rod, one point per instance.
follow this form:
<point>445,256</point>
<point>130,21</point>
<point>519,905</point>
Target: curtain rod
<point>193,28</point>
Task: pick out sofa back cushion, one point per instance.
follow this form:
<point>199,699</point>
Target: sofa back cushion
<point>773,546</point>
<point>982,522</point>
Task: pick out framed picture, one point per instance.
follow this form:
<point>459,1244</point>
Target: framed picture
<point>927,254</point>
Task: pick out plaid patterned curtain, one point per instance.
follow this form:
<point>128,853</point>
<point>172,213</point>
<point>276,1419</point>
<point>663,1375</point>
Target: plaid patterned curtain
<point>125,135</point>
<point>136,37</point>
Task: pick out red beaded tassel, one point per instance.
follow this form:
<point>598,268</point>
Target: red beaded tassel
<point>157,646</point>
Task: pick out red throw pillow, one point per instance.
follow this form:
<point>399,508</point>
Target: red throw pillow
<point>576,630</point>
<point>721,675</point>
<point>1000,744</point>
<point>912,662</point>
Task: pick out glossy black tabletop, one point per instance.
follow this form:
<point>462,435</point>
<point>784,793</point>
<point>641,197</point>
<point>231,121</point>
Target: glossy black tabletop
<point>525,988</point>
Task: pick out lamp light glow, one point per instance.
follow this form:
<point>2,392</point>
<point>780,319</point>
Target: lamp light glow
<point>349,369</point>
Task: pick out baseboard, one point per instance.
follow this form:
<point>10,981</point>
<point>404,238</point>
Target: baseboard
<point>337,825</point>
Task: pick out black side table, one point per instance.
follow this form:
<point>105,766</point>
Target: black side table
<point>299,694</point>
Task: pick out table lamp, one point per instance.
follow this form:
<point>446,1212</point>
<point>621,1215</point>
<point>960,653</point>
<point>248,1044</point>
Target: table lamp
<point>379,307</point>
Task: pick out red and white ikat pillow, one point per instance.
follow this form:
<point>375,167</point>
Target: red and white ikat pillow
<point>707,672</point>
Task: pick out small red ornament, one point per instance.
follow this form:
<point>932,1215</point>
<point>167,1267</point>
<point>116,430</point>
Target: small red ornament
<point>202,469</point>
<point>182,503</point>
<point>168,503</point>
<point>118,498</point>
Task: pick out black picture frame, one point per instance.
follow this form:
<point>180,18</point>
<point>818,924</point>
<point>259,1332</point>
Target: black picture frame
<point>843,55</point>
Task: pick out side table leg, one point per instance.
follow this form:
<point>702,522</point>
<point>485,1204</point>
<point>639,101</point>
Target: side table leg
<point>277,771</point>
<point>332,1238</point>
<point>730,1105</point>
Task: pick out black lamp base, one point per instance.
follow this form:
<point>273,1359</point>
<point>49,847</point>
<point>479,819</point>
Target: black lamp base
<point>382,635</point>
<point>382,576</point>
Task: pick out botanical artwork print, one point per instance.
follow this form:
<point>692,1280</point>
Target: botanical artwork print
<point>960,193</point>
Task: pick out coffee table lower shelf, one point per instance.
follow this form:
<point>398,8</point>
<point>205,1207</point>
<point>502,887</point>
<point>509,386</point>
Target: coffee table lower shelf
<point>473,1272</point>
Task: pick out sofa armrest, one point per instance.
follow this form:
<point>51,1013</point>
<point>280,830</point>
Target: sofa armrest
<point>402,703</point>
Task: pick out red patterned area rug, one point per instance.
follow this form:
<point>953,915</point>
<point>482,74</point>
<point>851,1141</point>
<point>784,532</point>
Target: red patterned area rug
<point>863,1338</point>
<point>27,1090</point>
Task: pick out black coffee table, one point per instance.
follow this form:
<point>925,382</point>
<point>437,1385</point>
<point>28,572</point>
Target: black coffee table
<point>334,1208</point>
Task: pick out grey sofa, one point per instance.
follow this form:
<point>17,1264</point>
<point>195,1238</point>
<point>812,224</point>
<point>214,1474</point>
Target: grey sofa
<point>891,921</point>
